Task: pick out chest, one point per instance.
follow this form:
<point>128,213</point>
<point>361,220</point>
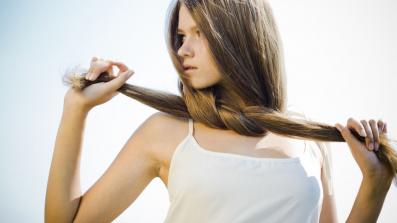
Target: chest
<point>224,143</point>
<point>234,182</point>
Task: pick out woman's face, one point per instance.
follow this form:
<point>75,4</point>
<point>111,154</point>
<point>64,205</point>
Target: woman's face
<point>194,52</point>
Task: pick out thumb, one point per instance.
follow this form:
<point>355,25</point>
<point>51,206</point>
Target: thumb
<point>117,82</point>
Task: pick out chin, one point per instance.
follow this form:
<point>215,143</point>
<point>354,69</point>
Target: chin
<point>202,85</point>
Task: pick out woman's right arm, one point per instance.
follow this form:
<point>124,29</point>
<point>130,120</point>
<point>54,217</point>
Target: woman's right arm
<point>63,195</point>
<point>63,188</point>
<point>136,165</point>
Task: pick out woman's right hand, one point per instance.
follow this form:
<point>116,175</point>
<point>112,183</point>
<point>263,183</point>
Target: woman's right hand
<point>101,92</point>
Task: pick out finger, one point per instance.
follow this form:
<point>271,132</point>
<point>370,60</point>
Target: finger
<point>117,82</point>
<point>121,66</point>
<point>369,139</point>
<point>384,129</point>
<point>110,69</point>
<point>375,133</point>
<point>117,64</point>
<point>356,125</point>
<point>381,126</point>
<point>93,59</point>
<point>92,74</point>
<point>92,69</point>
<point>100,67</point>
<point>350,139</point>
<point>88,73</point>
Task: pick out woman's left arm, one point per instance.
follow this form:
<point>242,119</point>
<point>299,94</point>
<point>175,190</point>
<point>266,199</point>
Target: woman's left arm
<point>369,200</point>
<point>377,178</point>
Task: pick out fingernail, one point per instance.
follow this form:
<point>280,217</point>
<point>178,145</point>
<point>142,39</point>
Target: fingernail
<point>363,134</point>
<point>371,146</point>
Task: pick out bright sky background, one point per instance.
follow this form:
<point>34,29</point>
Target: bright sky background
<point>340,58</point>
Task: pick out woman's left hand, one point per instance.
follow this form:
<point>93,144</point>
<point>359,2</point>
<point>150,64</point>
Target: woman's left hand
<point>371,167</point>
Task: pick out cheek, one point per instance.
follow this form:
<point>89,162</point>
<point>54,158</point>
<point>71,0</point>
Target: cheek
<point>208,72</point>
<point>213,72</point>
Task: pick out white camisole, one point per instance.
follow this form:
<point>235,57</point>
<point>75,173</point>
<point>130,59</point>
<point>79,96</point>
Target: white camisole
<point>213,187</point>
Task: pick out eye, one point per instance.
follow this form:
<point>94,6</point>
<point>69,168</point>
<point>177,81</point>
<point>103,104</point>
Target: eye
<point>181,37</point>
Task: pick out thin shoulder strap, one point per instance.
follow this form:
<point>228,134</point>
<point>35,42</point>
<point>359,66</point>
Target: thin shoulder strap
<point>325,148</point>
<point>190,126</point>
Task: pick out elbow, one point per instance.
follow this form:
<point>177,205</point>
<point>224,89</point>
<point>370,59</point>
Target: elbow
<point>61,214</point>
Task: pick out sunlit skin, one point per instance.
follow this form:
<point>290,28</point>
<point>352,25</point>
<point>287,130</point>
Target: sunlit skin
<point>194,51</point>
<point>141,160</point>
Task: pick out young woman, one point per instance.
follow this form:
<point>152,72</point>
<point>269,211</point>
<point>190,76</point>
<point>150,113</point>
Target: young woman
<point>226,149</point>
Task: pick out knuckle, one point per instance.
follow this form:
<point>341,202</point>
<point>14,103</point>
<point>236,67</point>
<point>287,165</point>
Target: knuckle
<point>344,131</point>
<point>364,123</point>
<point>372,121</point>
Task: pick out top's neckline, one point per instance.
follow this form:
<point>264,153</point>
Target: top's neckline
<point>244,157</point>
<point>239,156</point>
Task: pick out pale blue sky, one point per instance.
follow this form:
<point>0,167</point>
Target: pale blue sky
<point>340,58</point>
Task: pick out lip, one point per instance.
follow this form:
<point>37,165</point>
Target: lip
<point>190,69</point>
<point>187,65</point>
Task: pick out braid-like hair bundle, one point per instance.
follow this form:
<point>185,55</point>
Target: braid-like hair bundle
<point>203,106</point>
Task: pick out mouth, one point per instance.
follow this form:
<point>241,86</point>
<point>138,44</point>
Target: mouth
<point>189,69</point>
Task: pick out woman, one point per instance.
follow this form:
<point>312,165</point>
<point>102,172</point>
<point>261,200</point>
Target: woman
<point>227,149</point>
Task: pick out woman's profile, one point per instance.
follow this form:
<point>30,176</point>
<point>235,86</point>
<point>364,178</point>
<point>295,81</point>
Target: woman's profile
<point>227,148</point>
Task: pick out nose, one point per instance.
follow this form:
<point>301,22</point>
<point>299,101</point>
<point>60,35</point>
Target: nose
<point>185,50</point>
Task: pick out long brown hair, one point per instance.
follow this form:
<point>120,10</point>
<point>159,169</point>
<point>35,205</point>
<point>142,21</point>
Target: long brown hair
<point>251,98</point>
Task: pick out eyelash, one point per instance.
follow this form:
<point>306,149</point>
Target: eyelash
<point>181,35</point>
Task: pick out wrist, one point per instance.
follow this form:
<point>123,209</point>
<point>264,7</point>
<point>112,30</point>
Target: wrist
<point>384,177</point>
<point>73,101</point>
<point>76,107</point>
<point>377,185</point>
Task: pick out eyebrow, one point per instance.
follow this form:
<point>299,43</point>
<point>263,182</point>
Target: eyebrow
<point>191,28</point>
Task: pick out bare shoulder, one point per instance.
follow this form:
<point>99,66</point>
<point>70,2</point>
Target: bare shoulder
<point>162,133</point>
<point>160,120</point>
<point>135,166</point>
<point>161,126</point>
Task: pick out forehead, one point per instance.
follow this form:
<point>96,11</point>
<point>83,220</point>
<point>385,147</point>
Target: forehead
<point>186,22</point>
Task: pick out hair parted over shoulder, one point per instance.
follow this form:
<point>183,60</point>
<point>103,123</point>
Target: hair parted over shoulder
<point>251,98</point>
